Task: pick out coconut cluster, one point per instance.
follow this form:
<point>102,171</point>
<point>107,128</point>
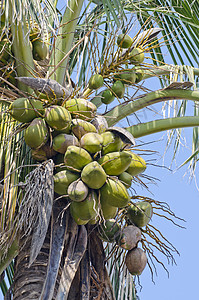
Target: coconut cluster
<point>94,169</point>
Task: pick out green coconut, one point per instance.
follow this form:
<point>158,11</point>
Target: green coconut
<point>87,209</point>
<point>115,163</point>
<point>92,142</point>
<point>80,108</point>
<point>111,142</point>
<point>76,158</point>
<point>126,77</point>
<point>77,191</point>
<point>96,81</point>
<point>93,175</point>
<point>100,124</point>
<point>62,180</point>
<point>107,96</point>
<point>137,165</point>
<point>62,141</point>
<point>140,213</point>
<point>25,110</point>
<point>81,127</point>
<point>136,261</point>
<point>36,134</point>
<point>77,220</point>
<point>136,56</point>
<point>58,117</point>
<point>39,49</point>
<point>109,230</point>
<point>126,179</point>
<point>124,41</point>
<point>114,193</point>
<point>107,211</point>
<point>118,89</point>
<point>129,237</point>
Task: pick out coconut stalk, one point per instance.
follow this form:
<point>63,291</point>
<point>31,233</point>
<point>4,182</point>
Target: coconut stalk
<point>125,109</point>
<point>164,70</point>
<point>147,128</point>
<point>65,38</point>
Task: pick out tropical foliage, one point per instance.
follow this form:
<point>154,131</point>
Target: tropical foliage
<point>51,55</point>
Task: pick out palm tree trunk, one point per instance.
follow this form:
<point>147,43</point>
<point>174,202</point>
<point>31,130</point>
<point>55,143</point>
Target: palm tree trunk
<point>29,280</point>
<point>90,281</point>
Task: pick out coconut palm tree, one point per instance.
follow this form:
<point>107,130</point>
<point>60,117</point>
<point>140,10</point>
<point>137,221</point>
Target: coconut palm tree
<point>50,55</point>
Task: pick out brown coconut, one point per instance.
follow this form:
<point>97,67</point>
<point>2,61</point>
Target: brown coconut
<point>136,261</point>
<point>129,238</point>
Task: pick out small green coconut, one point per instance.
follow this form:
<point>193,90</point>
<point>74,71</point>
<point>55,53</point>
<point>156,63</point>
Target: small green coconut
<point>76,158</point>
<point>80,108</point>
<point>111,142</point>
<point>114,193</point>
<point>39,49</point>
<point>92,142</point>
<point>140,213</point>
<point>118,89</point>
<point>107,211</point>
<point>96,81</point>
<point>62,141</point>
<point>137,165</point>
<point>58,117</point>
<point>100,124</point>
<point>109,230</point>
<point>129,237</point>
<point>136,56</point>
<point>136,261</point>
<point>115,163</point>
<point>107,96</point>
<point>87,209</point>
<point>81,127</point>
<point>93,175</point>
<point>36,134</point>
<point>77,191</point>
<point>124,41</point>
<point>126,179</point>
<point>62,180</point>
<point>25,110</point>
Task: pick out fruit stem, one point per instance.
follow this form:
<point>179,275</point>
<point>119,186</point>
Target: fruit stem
<point>125,109</point>
<point>87,92</point>
<point>147,128</point>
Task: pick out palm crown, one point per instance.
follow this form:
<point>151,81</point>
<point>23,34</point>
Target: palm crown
<point>67,172</point>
